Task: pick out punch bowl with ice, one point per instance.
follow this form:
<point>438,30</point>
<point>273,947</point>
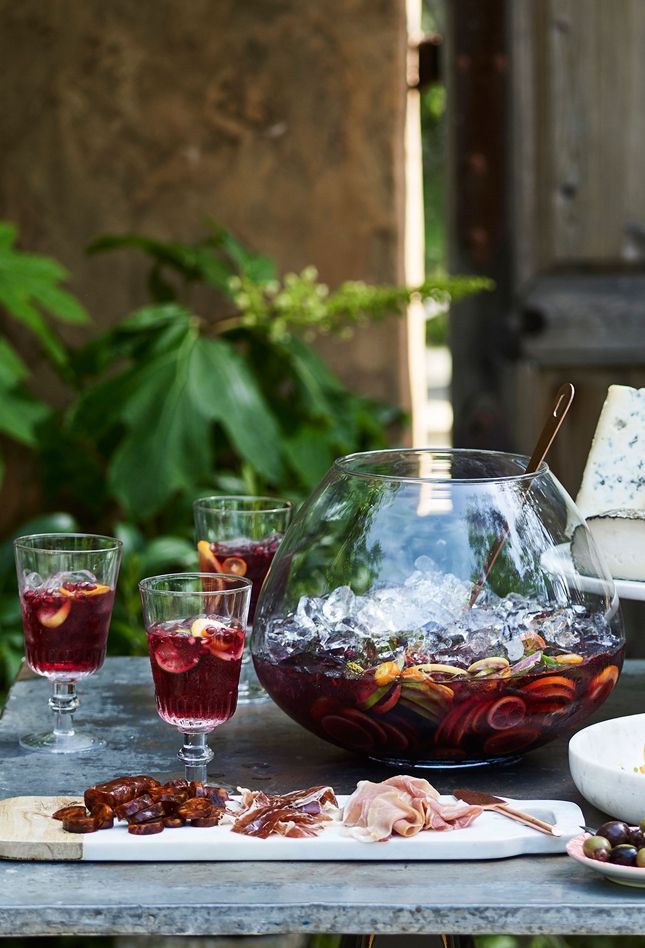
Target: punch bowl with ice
<point>420,610</point>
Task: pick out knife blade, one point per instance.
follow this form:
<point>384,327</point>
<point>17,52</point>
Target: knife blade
<point>498,805</point>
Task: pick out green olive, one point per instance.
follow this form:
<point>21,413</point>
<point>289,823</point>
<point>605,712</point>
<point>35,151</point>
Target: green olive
<point>640,858</point>
<point>593,844</point>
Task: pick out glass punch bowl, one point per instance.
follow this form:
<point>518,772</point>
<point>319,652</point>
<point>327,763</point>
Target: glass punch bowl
<point>424,610</point>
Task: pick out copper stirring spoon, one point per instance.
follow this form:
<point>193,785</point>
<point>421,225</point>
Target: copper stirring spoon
<point>488,802</point>
<point>561,406</point>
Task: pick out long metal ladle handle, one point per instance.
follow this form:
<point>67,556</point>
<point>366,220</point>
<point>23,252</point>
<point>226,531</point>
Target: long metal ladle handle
<point>561,406</point>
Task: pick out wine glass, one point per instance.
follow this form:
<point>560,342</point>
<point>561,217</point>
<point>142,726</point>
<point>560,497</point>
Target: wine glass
<point>195,623</point>
<point>66,583</point>
<point>241,535</point>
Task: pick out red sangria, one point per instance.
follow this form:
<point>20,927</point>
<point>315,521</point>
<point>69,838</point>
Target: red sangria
<point>196,668</point>
<point>66,628</point>
<point>250,558</point>
<point>425,713</point>
<point>195,624</point>
<point>241,535</point>
<point>66,583</point>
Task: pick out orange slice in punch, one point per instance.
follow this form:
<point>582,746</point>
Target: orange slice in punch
<point>208,562</point>
<point>603,684</point>
<point>98,589</point>
<point>53,616</point>
<point>235,565</point>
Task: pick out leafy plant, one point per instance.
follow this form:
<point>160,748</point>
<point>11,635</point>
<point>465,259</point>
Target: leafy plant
<point>31,293</point>
<point>173,394</point>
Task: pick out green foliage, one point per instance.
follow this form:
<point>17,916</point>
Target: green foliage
<point>170,395</point>
<point>30,293</point>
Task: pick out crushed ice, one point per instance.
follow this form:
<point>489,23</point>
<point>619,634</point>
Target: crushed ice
<point>428,614</point>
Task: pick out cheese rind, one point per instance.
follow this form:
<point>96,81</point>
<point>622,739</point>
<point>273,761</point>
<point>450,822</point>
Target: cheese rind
<point>614,476</point>
<point>620,537</point>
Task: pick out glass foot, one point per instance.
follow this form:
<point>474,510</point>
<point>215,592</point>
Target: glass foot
<point>250,691</point>
<point>72,743</point>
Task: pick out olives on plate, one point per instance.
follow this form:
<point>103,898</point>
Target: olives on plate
<point>623,855</point>
<point>618,843</point>
<point>615,831</point>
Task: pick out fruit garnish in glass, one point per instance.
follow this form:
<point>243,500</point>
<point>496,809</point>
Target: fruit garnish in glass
<point>241,535</point>
<point>66,584</point>
<point>195,624</point>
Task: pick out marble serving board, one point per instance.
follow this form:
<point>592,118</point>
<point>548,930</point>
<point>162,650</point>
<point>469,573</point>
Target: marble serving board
<point>27,832</point>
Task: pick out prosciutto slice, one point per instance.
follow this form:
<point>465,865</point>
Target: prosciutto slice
<point>403,805</point>
<point>297,814</point>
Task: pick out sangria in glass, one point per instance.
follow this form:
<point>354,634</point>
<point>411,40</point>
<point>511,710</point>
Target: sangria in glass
<point>66,583</point>
<point>241,535</point>
<point>195,623</point>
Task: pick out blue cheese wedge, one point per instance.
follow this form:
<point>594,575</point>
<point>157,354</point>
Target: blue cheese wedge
<point>620,537</point>
<point>614,476</point>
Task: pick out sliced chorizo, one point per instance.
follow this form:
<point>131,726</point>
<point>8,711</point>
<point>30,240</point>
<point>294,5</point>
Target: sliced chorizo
<point>154,812</point>
<point>207,820</point>
<point>81,824</point>
<point>130,807</point>
<point>173,822</point>
<point>195,808</point>
<point>146,829</point>
<point>69,812</point>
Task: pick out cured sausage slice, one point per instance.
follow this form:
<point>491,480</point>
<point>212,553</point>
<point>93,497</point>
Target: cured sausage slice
<point>81,824</point>
<point>195,808</point>
<point>146,829</point>
<point>69,812</point>
<point>154,812</point>
<point>207,820</point>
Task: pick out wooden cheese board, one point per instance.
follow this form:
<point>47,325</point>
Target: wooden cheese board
<point>27,832</point>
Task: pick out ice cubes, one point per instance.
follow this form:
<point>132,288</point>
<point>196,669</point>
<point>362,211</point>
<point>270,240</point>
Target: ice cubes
<point>428,618</point>
<point>73,577</point>
<point>339,604</point>
<point>31,580</point>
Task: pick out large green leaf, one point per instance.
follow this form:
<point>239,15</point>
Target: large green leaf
<point>148,330</point>
<point>30,280</point>
<point>167,447</point>
<point>19,415</point>
<point>226,391</point>
<point>12,368</point>
<point>309,454</point>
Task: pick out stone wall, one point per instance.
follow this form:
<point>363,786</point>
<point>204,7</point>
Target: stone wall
<point>282,119</point>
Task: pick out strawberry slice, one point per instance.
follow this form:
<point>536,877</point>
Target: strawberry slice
<point>52,616</point>
<point>176,660</point>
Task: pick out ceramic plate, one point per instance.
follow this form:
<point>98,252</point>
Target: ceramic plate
<point>623,875</point>
<point>558,560</point>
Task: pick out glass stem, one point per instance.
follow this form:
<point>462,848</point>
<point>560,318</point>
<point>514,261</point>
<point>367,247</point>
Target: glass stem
<point>63,702</point>
<point>195,755</point>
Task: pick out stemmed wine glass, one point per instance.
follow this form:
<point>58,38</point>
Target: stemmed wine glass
<point>241,535</point>
<point>195,623</point>
<point>67,584</point>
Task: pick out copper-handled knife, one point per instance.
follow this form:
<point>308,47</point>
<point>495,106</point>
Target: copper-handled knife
<point>489,802</point>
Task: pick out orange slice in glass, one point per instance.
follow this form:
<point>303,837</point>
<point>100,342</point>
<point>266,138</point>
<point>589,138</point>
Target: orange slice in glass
<point>234,564</point>
<point>53,616</point>
<point>208,562</point>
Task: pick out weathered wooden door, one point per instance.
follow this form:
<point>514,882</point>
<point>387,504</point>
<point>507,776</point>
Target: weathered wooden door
<point>548,131</point>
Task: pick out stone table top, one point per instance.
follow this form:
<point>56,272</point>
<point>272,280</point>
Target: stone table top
<point>262,747</point>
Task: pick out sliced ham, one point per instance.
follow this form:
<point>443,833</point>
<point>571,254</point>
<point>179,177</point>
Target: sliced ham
<point>403,805</point>
<point>297,814</point>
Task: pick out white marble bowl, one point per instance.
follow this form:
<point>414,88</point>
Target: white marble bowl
<point>604,759</point>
